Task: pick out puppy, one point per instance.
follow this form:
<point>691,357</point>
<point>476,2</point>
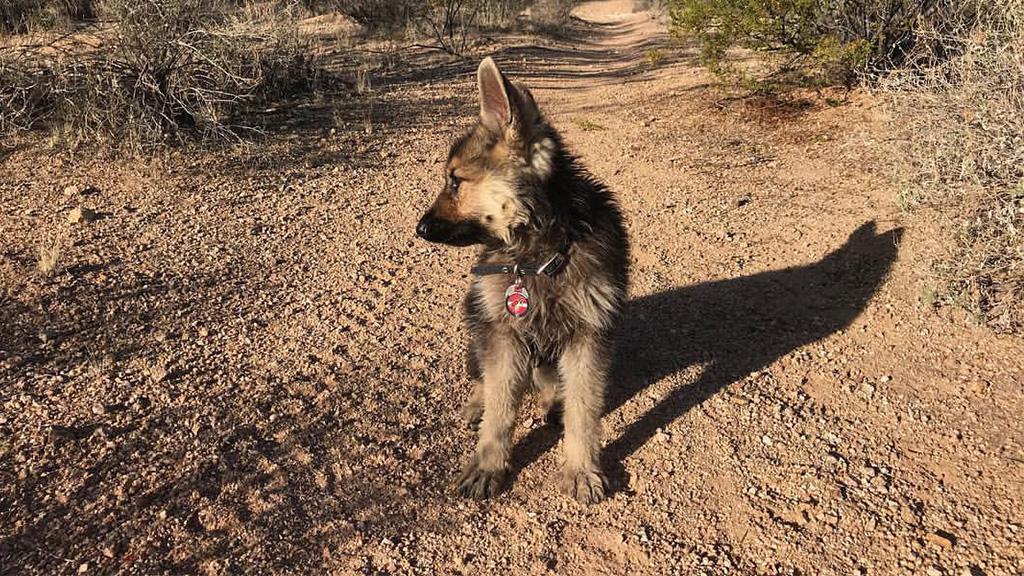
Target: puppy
<point>549,283</point>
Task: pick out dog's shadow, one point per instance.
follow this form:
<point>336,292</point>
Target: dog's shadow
<point>733,327</point>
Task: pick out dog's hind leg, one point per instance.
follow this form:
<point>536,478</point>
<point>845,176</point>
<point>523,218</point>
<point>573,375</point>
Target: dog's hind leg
<point>473,410</point>
<point>505,364</point>
<point>583,369</point>
<point>547,386</point>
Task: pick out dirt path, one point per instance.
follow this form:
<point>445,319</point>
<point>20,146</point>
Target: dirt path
<point>248,364</point>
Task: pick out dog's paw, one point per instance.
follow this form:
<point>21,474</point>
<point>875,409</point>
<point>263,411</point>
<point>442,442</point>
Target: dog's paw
<point>472,413</point>
<point>586,486</point>
<point>475,482</point>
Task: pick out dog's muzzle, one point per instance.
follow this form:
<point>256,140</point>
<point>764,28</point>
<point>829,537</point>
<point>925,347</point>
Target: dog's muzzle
<point>434,229</point>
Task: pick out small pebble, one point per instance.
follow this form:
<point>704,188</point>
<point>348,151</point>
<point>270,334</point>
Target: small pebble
<point>81,215</point>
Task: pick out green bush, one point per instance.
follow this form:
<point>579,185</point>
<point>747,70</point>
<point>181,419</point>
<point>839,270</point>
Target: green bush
<point>812,41</point>
<point>953,69</point>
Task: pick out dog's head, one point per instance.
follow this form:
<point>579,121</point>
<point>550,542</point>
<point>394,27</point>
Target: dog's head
<point>493,172</point>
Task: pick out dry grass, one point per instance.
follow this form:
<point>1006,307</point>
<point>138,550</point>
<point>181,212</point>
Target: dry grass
<point>985,272</point>
<point>364,82</point>
<point>963,124</point>
<point>654,57</point>
<point>588,125</point>
<point>50,252</point>
<point>161,71</point>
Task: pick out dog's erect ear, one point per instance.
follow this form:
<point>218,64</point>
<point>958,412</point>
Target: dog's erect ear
<point>503,105</point>
<point>495,106</point>
<point>527,112</point>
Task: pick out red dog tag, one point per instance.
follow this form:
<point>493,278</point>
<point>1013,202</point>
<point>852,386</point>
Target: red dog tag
<point>517,300</point>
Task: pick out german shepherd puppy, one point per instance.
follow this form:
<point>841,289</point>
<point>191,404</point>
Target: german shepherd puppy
<point>550,282</point>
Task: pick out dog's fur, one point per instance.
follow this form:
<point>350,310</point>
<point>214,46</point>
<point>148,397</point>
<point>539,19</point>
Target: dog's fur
<point>511,186</point>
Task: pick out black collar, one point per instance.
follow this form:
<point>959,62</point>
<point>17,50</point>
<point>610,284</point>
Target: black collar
<point>549,267</point>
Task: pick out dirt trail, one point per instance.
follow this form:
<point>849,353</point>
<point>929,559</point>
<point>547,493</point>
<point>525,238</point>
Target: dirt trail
<point>248,364</point>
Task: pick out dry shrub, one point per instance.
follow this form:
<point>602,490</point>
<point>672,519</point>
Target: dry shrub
<point>22,16</point>
<point>15,14</point>
<point>375,15</point>
<point>165,71</point>
<point>501,13</point>
<point>450,24</point>
<point>453,24</point>
<point>19,95</point>
<point>551,14</point>
<point>402,15</point>
<point>962,115</point>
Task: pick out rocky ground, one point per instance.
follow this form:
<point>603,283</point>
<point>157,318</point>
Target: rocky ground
<point>245,363</point>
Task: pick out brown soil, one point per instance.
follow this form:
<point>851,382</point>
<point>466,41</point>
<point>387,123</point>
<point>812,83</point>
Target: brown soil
<point>247,364</point>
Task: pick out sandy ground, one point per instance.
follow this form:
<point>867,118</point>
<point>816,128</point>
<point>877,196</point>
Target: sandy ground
<point>248,365</point>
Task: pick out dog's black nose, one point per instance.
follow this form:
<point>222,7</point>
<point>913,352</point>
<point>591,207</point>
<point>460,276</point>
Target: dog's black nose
<point>424,228</point>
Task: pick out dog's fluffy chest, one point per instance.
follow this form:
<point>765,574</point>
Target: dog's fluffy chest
<point>557,306</point>
<point>492,291</point>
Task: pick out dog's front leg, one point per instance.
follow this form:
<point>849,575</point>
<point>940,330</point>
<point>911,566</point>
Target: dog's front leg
<point>504,363</point>
<point>583,368</point>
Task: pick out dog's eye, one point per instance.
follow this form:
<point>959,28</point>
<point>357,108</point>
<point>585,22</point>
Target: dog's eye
<point>453,184</point>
